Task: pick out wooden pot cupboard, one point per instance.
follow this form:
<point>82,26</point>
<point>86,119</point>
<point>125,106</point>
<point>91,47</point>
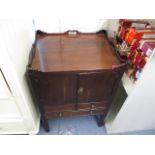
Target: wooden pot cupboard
<point>73,74</point>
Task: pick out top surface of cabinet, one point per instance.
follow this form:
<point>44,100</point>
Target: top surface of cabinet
<point>64,52</point>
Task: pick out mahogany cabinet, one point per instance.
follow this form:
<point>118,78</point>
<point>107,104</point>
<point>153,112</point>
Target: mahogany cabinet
<point>73,74</point>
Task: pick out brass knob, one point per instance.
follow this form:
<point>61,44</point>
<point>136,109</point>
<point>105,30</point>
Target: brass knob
<point>60,114</point>
<point>80,91</point>
<point>92,106</point>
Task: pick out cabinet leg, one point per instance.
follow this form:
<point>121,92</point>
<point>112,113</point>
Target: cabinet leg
<point>99,120</point>
<point>45,124</point>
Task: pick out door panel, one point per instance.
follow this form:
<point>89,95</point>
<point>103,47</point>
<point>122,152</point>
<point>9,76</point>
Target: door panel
<point>56,89</point>
<point>95,87</point>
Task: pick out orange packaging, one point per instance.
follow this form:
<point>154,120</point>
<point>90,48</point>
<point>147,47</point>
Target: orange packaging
<point>125,24</point>
<point>137,34</point>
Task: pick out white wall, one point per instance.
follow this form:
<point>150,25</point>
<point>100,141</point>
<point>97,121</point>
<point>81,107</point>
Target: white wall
<point>82,24</point>
<point>138,111</point>
<point>4,90</point>
<point>152,21</point>
<point>16,39</point>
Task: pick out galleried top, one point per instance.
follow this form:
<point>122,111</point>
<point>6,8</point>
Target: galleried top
<point>72,51</point>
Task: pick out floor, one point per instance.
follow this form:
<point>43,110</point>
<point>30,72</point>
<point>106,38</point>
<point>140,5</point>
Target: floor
<point>83,125</point>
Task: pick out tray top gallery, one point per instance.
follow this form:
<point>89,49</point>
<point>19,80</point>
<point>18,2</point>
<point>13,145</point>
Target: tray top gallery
<point>64,52</point>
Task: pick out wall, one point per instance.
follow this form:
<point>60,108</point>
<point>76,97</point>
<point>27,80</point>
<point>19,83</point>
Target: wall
<point>81,24</point>
<point>137,113</point>
<point>16,39</point>
<point>152,21</point>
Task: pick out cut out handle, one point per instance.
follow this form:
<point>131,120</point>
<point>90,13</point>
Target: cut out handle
<point>72,32</point>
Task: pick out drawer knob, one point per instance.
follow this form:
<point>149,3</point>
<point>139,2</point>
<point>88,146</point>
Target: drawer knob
<point>80,91</point>
<point>92,106</point>
<point>60,114</point>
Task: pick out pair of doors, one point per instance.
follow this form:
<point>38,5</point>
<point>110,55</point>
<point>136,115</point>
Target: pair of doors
<point>73,88</point>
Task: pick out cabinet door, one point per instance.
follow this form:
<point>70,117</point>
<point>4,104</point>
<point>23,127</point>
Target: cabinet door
<point>55,88</point>
<point>95,87</point>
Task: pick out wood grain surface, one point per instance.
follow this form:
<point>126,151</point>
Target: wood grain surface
<point>62,52</point>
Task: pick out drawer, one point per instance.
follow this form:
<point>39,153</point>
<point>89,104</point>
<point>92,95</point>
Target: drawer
<point>74,113</point>
<point>72,107</point>
<point>92,105</point>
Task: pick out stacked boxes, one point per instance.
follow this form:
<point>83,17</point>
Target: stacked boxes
<point>126,24</point>
<point>124,27</point>
<point>135,34</point>
<point>139,57</point>
<point>138,43</point>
